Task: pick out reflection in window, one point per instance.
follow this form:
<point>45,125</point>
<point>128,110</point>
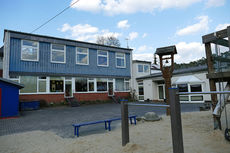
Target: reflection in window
<point>56,84</point>
<point>102,58</point>
<point>127,83</point>
<point>41,84</point>
<point>140,68</point>
<point>29,50</point>
<point>82,56</point>
<point>30,84</point>
<point>119,84</point>
<point>101,84</point>
<point>120,60</point>
<point>81,84</point>
<point>58,53</point>
<point>146,68</point>
<point>182,87</point>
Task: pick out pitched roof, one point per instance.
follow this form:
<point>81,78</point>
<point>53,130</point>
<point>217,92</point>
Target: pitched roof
<point>12,83</point>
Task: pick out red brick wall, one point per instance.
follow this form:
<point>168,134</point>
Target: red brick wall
<point>56,98</point>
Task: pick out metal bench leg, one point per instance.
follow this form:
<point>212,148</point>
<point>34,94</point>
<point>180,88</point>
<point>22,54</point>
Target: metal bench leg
<point>106,125</point>
<point>75,130</point>
<point>131,122</point>
<point>135,120</point>
<point>109,124</point>
<point>78,131</point>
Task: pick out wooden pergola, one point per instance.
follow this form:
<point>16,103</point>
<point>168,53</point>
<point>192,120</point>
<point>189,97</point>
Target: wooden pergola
<point>221,38</point>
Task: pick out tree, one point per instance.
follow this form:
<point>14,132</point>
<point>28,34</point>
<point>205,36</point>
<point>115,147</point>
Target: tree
<point>109,40</point>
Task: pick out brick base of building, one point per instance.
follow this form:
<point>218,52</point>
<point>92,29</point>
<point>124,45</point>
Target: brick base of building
<point>57,98</point>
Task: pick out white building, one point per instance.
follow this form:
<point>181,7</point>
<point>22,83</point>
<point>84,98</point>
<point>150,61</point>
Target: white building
<point>150,86</point>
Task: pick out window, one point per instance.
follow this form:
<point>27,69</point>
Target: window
<point>140,68</point>
<point>146,68</point>
<point>56,84</point>
<point>190,88</point>
<point>41,84</point>
<point>140,90</point>
<point>30,84</point>
<point>143,68</point>
<point>161,94</point>
<point>120,60</point>
<point>127,87</point>
<point>29,50</point>
<point>82,56</point>
<point>101,84</point>
<point>102,58</point>
<point>58,53</point>
<point>119,84</point>
<point>14,78</point>
<point>81,84</point>
<point>196,88</point>
<point>182,87</point>
<point>91,84</point>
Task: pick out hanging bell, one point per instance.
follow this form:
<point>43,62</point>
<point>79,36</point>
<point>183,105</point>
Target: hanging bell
<point>166,61</point>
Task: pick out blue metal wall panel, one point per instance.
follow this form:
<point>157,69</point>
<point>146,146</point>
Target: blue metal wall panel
<point>44,64</point>
<point>10,100</point>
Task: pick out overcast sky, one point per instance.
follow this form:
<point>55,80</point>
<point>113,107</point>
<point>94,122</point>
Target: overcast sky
<point>148,24</point>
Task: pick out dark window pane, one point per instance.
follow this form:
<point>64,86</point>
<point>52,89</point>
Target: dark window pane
<point>56,85</point>
<point>141,90</point>
<point>182,87</point>
<point>81,84</point>
<point>196,88</point>
<point>91,86</point>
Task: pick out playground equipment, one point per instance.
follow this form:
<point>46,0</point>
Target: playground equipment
<point>219,73</point>
<point>166,55</point>
<point>175,115</point>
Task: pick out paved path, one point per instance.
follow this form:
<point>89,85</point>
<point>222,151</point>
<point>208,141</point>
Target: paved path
<point>60,119</point>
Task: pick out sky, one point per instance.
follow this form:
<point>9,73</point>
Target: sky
<point>142,24</point>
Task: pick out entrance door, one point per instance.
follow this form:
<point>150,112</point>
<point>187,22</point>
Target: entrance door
<point>110,93</point>
<point>68,89</point>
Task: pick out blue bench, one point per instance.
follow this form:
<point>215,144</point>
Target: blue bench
<point>107,121</point>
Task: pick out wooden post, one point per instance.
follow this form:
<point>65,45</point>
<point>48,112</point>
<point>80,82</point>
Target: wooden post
<point>124,123</point>
<point>176,127</point>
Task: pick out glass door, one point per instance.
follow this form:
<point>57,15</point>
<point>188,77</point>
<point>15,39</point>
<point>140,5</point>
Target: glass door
<point>68,88</point>
<point>110,93</point>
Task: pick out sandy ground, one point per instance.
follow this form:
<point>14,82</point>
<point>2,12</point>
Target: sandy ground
<point>145,137</point>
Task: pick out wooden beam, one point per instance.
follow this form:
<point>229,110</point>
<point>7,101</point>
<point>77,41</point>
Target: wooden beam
<point>219,75</point>
<point>212,36</point>
<point>124,123</point>
<point>208,52</point>
<point>222,42</point>
<point>176,126</point>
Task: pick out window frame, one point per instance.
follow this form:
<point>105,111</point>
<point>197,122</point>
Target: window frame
<point>163,86</point>
<point>107,56</point>
<point>87,49</point>
<point>32,48</point>
<point>40,79</point>
<point>56,50</point>
<point>120,58</point>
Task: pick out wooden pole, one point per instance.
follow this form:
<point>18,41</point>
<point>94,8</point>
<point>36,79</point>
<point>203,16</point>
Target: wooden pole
<point>124,123</point>
<point>176,127</point>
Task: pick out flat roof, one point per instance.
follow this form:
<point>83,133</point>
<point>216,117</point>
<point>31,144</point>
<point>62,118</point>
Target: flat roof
<point>140,61</point>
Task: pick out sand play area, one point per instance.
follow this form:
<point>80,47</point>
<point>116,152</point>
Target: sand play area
<point>145,137</point>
